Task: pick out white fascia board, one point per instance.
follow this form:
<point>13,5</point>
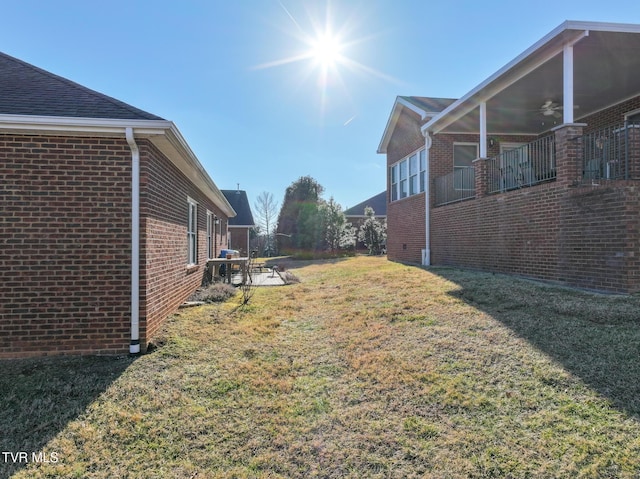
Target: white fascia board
<point>162,133</point>
<point>178,150</point>
<point>388,129</point>
<point>393,119</point>
<point>491,86</point>
<point>602,26</point>
<point>79,126</point>
<point>412,107</point>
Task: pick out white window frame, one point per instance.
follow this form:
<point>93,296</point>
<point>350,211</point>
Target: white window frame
<point>412,182</point>
<point>210,234</point>
<point>192,232</point>
<point>413,175</point>
<point>631,114</point>
<point>422,166</point>
<point>394,171</point>
<point>404,179</point>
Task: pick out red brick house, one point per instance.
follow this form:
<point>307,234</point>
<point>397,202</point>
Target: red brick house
<point>534,172</point>
<point>240,226</point>
<point>355,215</point>
<point>106,219</point>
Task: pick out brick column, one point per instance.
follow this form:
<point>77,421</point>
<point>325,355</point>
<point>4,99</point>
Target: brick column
<point>482,182</point>
<point>569,153</point>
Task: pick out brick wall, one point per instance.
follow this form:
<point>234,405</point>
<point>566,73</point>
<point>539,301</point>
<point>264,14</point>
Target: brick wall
<point>599,237</point>
<point>238,240</point>
<point>406,229</point>
<point>586,236</point>
<point>64,245</point>
<point>405,217</point>
<point>168,279</point>
<point>610,116</point>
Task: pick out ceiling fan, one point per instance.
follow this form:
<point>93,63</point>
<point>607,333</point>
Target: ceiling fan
<point>551,108</point>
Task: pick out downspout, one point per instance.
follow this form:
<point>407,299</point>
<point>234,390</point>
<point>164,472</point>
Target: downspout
<point>134,346</point>
<point>426,253</point>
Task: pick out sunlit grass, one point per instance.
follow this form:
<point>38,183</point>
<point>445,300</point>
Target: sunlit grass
<point>366,368</point>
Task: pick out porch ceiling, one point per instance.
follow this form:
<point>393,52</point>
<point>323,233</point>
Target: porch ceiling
<point>606,72</point>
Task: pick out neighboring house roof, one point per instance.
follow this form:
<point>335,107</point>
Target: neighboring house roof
<point>240,203</point>
<point>29,90</point>
<point>425,107</point>
<point>34,101</point>
<point>377,202</point>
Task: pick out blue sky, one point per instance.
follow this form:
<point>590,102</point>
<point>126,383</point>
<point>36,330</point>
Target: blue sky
<point>224,71</point>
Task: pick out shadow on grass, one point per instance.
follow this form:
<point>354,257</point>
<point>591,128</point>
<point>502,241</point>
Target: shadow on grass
<point>38,397</point>
<point>595,337</point>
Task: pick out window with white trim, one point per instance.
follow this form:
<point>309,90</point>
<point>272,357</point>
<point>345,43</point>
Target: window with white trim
<point>192,232</point>
<point>413,174</point>
<point>423,169</point>
<point>210,223</point>
<point>403,179</point>
<point>394,182</point>
<point>408,175</point>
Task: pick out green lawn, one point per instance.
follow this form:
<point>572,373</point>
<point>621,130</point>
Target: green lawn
<point>365,368</point>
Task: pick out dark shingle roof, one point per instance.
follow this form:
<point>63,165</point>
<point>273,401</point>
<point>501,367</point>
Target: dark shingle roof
<point>240,203</point>
<point>378,203</point>
<point>29,90</point>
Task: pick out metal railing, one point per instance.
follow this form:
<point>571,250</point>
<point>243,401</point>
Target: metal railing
<point>611,153</point>
<point>458,185</point>
<point>526,165</point>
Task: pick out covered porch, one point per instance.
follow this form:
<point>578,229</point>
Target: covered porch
<point>566,79</point>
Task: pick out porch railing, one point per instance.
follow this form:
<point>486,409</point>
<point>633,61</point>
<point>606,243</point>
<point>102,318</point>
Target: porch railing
<point>458,185</point>
<point>526,165</point>
<point>611,153</point>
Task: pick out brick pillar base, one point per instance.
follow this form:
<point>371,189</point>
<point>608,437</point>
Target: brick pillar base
<point>569,153</point>
<point>482,186</point>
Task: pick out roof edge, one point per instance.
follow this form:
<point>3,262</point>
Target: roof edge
<point>393,119</point>
<point>163,133</point>
<point>568,25</point>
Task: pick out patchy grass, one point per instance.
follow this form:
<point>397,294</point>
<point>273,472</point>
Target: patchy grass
<point>363,369</point>
<point>214,293</point>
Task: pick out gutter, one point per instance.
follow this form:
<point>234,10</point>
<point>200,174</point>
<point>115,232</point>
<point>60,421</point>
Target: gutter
<point>426,253</point>
<point>134,345</point>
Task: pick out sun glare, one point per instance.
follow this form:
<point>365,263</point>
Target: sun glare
<point>326,50</point>
<point>323,47</point>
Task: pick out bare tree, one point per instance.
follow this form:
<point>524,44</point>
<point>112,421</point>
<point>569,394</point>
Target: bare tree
<point>266,210</point>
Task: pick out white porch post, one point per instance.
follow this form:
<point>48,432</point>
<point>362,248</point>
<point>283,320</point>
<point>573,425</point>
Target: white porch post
<point>426,253</point>
<point>483,130</point>
<point>567,87</point>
